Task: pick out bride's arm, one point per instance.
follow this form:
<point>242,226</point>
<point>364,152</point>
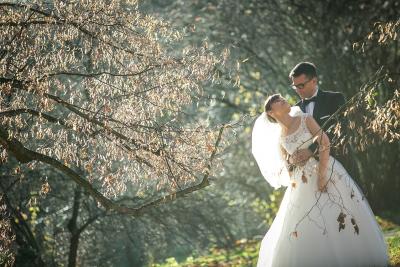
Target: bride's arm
<point>285,157</point>
<point>322,139</point>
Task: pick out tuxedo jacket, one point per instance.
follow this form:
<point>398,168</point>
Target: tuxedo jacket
<point>326,104</point>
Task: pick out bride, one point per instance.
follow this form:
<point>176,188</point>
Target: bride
<point>324,219</point>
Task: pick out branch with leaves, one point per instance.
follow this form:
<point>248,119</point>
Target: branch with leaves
<point>100,92</point>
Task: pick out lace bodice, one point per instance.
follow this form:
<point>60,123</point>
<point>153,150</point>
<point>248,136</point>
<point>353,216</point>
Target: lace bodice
<point>300,138</point>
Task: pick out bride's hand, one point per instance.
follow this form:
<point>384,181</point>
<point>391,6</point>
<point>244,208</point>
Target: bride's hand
<point>322,184</point>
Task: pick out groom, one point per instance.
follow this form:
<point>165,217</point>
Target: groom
<point>320,104</point>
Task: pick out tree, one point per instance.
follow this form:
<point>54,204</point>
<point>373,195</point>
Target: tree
<point>100,93</point>
<point>96,91</point>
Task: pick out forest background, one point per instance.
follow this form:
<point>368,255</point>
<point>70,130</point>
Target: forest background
<point>126,127</point>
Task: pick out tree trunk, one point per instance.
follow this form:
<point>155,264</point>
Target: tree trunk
<point>72,227</point>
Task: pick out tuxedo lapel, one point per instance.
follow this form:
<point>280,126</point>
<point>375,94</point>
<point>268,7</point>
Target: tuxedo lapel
<point>318,105</point>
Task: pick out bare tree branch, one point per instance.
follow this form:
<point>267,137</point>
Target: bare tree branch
<point>25,155</point>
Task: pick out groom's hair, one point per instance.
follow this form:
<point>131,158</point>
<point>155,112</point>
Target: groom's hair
<point>306,68</point>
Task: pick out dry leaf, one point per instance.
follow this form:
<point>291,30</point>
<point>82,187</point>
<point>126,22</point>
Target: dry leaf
<point>356,230</point>
<point>304,178</point>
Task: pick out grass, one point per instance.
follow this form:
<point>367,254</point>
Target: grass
<point>245,252</point>
<point>394,248</point>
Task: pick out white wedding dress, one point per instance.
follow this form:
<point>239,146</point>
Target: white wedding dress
<point>335,228</point>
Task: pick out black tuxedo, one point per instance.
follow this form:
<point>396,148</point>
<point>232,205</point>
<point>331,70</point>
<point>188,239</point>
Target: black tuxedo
<point>326,104</point>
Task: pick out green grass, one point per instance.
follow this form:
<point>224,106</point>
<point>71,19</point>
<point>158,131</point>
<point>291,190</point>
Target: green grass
<point>245,252</point>
<point>393,242</point>
<point>392,236</point>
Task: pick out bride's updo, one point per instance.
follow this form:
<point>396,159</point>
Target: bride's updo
<point>267,106</point>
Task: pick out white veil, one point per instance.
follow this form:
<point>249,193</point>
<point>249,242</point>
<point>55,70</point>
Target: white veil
<point>266,149</point>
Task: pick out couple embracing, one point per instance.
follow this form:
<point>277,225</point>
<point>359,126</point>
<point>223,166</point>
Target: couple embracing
<point>324,219</point>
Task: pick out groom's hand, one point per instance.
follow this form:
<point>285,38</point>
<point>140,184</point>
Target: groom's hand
<point>300,157</point>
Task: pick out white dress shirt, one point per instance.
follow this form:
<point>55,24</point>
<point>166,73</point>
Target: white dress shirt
<point>310,106</point>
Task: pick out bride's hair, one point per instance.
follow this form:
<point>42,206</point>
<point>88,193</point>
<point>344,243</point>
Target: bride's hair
<point>267,106</point>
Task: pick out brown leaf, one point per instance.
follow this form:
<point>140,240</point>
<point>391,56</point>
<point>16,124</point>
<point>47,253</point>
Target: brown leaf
<point>89,167</point>
<point>45,189</point>
<point>341,226</point>
<point>210,148</point>
<point>356,230</point>
<point>341,217</point>
<point>294,184</point>
<point>294,233</point>
<point>107,108</point>
<point>304,178</point>
<point>17,170</point>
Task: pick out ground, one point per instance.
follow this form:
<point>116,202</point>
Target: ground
<point>245,252</point>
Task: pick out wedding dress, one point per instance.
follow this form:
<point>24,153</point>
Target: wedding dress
<point>334,228</point>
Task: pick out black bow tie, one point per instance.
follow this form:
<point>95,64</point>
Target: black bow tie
<point>306,101</point>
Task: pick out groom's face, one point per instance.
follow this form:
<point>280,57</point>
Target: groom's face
<point>305,87</point>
